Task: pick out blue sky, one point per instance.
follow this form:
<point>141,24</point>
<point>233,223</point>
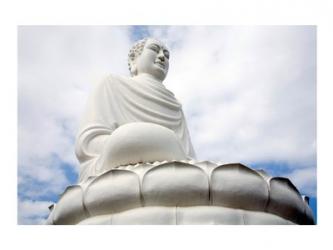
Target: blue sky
<point>248,93</point>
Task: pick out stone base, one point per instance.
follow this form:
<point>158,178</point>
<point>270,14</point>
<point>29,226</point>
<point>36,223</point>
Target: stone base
<point>199,215</point>
<point>182,192</point>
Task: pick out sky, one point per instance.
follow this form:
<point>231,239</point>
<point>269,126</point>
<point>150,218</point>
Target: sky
<point>248,94</point>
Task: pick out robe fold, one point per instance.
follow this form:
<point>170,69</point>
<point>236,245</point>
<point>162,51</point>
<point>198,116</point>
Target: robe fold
<point>119,100</point>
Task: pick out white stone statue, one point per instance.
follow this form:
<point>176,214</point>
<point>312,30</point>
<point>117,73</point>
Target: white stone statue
<point>133,119</point>
<point>138,166</point>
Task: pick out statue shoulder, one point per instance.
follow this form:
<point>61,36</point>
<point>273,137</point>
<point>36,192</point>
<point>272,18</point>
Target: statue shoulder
<point>112,80</point>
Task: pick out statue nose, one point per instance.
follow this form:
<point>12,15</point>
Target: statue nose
<point>161,56</point>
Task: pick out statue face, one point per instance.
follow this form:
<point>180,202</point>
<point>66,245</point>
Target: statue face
<point>153,60</point>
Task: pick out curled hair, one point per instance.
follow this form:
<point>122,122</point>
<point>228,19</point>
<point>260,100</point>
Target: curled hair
<point>135,51</point>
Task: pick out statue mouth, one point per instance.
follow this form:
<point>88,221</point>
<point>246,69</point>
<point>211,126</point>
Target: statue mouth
<point>160,63</point>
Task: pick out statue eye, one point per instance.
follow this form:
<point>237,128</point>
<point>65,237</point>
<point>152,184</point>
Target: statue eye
<point>166,54</point>
<point>154,48</point>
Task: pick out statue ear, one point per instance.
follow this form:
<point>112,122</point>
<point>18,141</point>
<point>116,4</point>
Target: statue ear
<point>134,70</point>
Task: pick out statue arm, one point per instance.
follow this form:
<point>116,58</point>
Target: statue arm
<point>98,122</point>
<point>91,141</point>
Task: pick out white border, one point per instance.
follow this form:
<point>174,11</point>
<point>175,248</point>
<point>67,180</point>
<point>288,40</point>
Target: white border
<point>154,12</point>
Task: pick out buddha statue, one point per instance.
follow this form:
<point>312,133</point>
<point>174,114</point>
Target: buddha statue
<point>134,119</point>
<point>138,165</point>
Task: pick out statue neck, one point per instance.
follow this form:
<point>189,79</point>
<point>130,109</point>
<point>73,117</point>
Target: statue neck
<point>147,77</point>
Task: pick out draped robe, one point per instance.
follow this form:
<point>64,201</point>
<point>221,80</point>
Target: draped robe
<point>119,100</point>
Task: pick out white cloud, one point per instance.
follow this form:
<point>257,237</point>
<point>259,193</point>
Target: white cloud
<point>32,212</point>
<point>305,180</point>
<point>42,176</point>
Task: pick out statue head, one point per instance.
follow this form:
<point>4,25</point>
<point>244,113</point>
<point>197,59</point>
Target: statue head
<point>149,56</point>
